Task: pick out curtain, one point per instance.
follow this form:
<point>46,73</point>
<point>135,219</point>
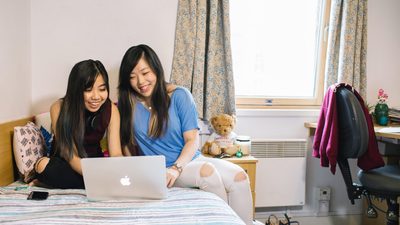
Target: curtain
<point>347,44</point>
<point>202,56</point>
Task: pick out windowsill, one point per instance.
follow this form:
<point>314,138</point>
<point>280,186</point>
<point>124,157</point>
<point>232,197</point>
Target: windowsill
<point>277,112</point>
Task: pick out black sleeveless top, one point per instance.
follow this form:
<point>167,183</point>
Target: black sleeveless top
<point>96,125</point>
<point>95,128</point>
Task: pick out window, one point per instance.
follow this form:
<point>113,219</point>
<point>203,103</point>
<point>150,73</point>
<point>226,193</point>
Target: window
<point>278,52</point>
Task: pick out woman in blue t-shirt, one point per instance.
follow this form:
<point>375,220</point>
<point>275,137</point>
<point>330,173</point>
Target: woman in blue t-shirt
<point>164,120</point>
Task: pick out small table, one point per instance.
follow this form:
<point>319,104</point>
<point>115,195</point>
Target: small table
<point>248,163</point>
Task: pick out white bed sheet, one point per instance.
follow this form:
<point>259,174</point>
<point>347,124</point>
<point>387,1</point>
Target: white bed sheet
<point>70,206</point>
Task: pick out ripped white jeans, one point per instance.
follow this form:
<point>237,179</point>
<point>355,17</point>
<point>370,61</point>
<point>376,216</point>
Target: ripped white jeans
<point>225,179</point>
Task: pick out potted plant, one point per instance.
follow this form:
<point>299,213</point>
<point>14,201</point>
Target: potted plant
<point>381,111</point>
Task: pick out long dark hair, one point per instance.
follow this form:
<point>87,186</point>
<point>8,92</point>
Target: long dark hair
<point>159,99</point>
<point>70,127</point>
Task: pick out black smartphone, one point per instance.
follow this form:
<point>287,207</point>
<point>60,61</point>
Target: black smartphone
<point>38,195</point>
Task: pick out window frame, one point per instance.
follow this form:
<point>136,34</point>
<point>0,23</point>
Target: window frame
<point>253,102</point>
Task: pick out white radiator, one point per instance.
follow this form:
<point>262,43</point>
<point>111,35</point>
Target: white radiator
<point>281,172</point>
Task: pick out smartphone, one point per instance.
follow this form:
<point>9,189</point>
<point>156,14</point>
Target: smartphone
<point>38,195</point>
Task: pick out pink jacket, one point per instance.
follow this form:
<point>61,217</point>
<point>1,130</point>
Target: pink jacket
<point>326,138</point>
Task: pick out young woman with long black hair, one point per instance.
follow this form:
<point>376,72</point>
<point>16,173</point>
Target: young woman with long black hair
<point>158,118</point>
<point>79,121</point>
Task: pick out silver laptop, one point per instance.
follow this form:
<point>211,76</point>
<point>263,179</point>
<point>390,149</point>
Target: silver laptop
<point>135,177</point>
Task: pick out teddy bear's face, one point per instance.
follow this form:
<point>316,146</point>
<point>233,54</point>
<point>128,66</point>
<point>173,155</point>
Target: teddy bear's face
<point>223,124</point>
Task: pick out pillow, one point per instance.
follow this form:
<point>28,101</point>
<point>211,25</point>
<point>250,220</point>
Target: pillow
<point>43,120</point>
<point>28,148</point>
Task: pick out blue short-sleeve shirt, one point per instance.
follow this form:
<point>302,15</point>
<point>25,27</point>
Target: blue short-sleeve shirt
<point>182,117</point>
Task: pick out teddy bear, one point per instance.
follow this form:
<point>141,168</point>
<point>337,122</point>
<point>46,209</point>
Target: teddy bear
<point>223,139</point>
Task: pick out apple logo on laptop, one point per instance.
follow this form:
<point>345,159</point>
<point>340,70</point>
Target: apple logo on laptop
<point>125,181</point>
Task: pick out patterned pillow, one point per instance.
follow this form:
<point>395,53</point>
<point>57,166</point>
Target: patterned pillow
<point>43,120</point>
<point>28,148</point>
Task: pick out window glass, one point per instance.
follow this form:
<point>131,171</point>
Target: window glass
<point>276,51</point>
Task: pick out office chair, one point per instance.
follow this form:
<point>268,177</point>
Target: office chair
<point>383,182</point>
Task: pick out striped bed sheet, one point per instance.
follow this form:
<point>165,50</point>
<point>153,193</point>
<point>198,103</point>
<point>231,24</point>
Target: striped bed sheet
<point>70,206</point>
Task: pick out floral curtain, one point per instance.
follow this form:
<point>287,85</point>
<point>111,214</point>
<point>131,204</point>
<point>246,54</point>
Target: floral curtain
<point>202,56</point>
<point>347,44</point>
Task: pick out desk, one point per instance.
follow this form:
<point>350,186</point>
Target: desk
<point>313,125</point>
<point>384,141</point>
<point>248,163</point>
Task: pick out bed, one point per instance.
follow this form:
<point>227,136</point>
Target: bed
<point>70,206</point>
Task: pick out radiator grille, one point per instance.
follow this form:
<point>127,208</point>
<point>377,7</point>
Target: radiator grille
<point>279,148</point>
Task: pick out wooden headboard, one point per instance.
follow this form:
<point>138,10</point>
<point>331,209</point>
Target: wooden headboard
<point>6,150</point>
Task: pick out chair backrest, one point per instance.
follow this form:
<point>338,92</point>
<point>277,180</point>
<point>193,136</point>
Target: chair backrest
<point>353,136</point>
<point>353,128</point>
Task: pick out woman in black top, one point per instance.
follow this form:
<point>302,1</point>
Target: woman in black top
<point>79,121</point>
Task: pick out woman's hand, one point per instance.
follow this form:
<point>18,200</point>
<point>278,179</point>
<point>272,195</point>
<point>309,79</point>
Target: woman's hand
<point>172,175</point>
<point>37,183</point>
<point>34,182</point>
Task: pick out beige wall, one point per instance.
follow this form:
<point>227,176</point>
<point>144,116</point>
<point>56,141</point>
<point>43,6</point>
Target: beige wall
<point>383,56</point>
<point>15,73</point>
<point>41,40</point>
<point>65,32</point>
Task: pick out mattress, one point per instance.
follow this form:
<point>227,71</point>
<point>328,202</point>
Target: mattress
<point>70,206</point>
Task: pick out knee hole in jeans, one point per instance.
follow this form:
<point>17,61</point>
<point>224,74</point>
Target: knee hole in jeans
<point>241,176</point>
<point>41,164</point>
<point>206,170</point>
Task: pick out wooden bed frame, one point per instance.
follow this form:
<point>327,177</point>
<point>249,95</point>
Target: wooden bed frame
<point>7,166</point>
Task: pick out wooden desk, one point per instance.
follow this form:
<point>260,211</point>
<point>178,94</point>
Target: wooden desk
<point>313,125</point>
<point>381,220</point>
<point>248,163</point>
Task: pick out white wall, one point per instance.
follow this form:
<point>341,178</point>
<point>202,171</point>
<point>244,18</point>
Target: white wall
<point>66,32</point>
<point>15,76</point>
<point>276,124</point>
<point>383,56</point>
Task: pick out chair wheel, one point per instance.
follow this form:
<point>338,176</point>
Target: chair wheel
<point>371,212</point>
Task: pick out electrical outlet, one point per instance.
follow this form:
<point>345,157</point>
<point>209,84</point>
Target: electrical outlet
<point>322,200</point>
<point>324,193</point>
<point>323,208</point>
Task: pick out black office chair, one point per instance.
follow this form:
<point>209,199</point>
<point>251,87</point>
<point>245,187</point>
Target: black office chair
<point>382,182</point>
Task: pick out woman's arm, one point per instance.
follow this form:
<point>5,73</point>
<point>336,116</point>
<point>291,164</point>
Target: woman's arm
<point>191,138</point>
<point>113,138</point>
<point>75,163</point>
<point>189,149</point>
<point>54,113</point>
